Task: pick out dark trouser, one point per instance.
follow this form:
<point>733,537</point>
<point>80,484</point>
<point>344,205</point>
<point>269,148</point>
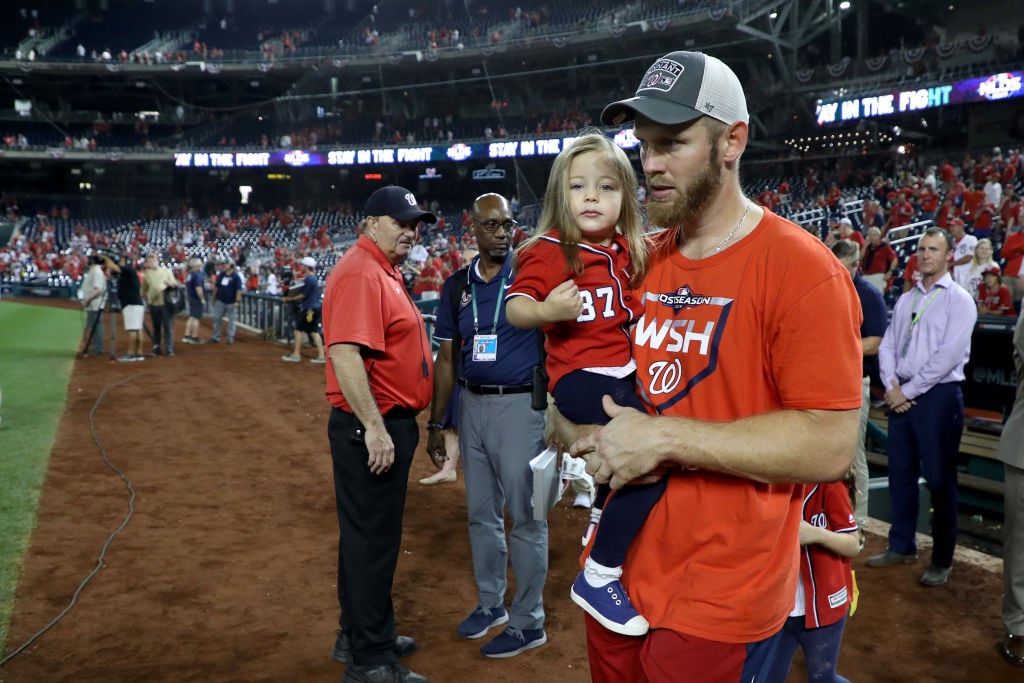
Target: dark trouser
<point>578,397</point>
<point>370,508</point>
<point>925,440</point>
<point>820,647</point>
<point>163,328</point>
<point>94,329</point>
<point>621,519</point>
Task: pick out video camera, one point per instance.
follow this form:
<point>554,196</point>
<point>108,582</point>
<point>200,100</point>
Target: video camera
<point>113,253</point>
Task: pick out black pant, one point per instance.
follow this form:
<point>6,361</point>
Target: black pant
<point>370,508</point>
<point>163,327</point>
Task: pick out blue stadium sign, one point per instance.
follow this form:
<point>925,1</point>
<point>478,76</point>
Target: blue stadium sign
<point>499,149</point>
<point>999,86</point>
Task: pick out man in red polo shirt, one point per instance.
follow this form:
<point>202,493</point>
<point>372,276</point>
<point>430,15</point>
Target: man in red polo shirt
<point>878,260</point>
<point>902,213</point>
<point>380,375</point>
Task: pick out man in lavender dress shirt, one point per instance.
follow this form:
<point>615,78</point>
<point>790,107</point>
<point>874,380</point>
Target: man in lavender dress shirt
<point>921,361</point>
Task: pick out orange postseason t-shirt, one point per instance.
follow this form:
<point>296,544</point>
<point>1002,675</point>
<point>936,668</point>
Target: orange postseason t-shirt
<point>771,323</point>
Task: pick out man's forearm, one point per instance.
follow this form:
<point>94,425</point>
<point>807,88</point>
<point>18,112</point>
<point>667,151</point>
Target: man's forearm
<point>444,382</point>
<point>785,446</point>
<point>355,384</point>
<point>870,345</point>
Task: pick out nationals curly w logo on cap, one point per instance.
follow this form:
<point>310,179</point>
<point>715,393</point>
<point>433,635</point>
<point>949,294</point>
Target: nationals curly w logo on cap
<point>662,75</point>
<point>680,87</point>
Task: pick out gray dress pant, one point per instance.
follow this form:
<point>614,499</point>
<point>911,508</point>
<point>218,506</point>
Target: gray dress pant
<point>498,436</point>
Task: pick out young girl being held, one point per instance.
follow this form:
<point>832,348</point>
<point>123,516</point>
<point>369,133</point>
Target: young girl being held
<point>574,280</point>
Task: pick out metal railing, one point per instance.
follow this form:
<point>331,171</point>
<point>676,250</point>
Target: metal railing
<point>274,319</point>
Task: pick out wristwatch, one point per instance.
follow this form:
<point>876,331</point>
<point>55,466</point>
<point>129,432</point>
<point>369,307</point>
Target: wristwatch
<point>434,425</point>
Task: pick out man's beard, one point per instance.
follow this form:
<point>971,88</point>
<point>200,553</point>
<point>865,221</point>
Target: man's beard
<point>690,201</point>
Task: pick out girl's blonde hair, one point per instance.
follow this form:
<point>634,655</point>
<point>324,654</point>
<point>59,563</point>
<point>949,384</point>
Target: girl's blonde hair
<point>991,255</point>
<point>557,213</point>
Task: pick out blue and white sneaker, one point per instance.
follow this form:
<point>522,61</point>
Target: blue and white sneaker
<point>610,606</point>
<point>481,620</point>
<point>512,641</point>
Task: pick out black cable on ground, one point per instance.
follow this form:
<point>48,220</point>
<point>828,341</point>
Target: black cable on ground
<point>110,539</point>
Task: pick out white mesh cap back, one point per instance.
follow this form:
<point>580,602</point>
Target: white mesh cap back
<point>721,95</point>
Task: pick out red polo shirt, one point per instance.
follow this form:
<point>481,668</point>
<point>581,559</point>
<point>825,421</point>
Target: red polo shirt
<point>365,303</point>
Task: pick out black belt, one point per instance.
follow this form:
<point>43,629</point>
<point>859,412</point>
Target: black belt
<point>496,388</point>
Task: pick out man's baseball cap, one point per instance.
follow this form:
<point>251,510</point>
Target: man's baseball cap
<point>993,269</point>
<point>680,87</point>
<point>397,202</point>
<point>845,221</point>
<point>957,221</point>
<point>308,261</point>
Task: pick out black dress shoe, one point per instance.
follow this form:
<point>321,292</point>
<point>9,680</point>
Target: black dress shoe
<point>1012,649</point>
<point>382,673</point>
<point>404,646</point>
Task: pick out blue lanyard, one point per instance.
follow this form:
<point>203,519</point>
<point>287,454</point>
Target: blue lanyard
<point>497,307</point>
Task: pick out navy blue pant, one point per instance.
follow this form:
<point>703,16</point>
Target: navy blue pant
<point>925,441</point>
<point>370,509</point>
<point>820,646</point>
<point>578,397</point>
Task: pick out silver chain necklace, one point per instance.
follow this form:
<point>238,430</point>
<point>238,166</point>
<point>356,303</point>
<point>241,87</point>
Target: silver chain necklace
<point>733,232</point>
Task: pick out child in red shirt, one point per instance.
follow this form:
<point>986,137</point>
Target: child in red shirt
<point>828,540</point>
<point>574,281</point>
<point>993,296</point>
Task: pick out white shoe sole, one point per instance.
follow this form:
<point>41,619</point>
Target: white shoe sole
<point>529,646</point>
<point>637,626</point>
<point>497,622</point>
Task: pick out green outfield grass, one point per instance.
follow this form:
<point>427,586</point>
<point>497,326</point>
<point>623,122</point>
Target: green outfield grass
<point>37,349</point>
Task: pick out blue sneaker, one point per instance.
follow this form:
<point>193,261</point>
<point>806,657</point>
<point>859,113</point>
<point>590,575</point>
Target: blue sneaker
<point>512,641</point>
<point>480,620</point>
<point>610,605</point>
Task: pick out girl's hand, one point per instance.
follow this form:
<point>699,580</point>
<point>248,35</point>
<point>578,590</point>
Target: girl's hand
<point>563,303</point>
<point>808,533</point>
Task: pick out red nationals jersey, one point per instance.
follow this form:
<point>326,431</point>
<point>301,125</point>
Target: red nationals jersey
<point>599,337</point>
<point>828,583</point>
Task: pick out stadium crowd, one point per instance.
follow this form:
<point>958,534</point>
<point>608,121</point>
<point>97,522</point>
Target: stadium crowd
<point>978,198</point>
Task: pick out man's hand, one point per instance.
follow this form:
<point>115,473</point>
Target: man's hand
<point>897,402</point>
<point>381,449</point>
<point>563,303</point>
<point>621,452</point>
<point>435,447</point>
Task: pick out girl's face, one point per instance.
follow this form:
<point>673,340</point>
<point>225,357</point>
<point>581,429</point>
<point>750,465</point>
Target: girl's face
<point>984,251</point>
<point>595,197</point>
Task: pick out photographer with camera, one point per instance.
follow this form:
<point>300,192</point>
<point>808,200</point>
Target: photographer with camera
<point>129,294</point>
<point>158,290</point>
<point>94,299</point>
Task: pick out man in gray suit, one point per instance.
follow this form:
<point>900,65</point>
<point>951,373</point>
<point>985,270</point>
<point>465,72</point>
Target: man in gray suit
<point>1011,452</point>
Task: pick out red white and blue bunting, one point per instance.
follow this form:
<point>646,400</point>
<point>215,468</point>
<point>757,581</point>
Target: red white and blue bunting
<point>839,68</point>
<point>875,63</point>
